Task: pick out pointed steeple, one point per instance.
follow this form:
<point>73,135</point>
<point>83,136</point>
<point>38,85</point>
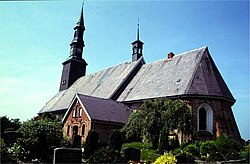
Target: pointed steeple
<point>80,21</point>
<point>137,46</point>
<point>138,29</point>
<point>75,66</point>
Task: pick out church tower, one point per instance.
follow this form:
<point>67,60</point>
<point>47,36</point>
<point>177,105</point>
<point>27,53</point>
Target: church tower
<point>137,46</point>
<point>75,66</point>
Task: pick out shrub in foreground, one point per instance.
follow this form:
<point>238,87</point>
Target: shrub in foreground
<point>167,158</point>
<point>106,155</point>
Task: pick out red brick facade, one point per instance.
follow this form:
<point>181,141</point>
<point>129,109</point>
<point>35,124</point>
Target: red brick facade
<point>77,122</point>
<point>77,118</point>
<point>223,121</point>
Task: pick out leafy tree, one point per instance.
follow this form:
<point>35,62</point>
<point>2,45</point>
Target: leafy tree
<point>40,138</point>
<point>91,144</point>
<point>115,140</point>
<point>7,123</point>
<point>157,118</point>
<point>133,128</point>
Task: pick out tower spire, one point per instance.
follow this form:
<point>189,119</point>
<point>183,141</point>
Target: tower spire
<point>75,66</point>
<point>80,21</point>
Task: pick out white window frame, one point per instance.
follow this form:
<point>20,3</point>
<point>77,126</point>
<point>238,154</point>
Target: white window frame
<point>209,117</point>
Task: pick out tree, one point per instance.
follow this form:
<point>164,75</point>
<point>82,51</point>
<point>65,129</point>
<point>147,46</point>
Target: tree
<point>11,124</point>
<point>40,138</point>
<point>157,118</point>
<point>115,140</point>
<point>91,144</point>
<point>133,128</point>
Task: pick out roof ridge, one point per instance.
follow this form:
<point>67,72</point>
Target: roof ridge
<point>180,54</point>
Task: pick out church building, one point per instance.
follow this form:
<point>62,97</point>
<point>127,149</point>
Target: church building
<point>103,101</point>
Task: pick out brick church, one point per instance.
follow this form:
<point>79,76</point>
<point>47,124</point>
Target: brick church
<point>103,101</point>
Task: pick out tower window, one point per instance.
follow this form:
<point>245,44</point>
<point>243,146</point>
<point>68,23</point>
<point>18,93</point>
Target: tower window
<point>63,82</point>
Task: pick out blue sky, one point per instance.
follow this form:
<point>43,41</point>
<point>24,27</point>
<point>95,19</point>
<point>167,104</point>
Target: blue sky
<point>35,38</point>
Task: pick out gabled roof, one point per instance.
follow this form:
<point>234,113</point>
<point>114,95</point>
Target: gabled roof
<point>191,73</point>
<point>99,109</point>
<point>101,84</point>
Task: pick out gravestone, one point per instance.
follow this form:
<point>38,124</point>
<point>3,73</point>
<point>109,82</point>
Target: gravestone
<point>132,154</point>
<point>76,141</point>
<point>10,137</point>
<point>67,155</point>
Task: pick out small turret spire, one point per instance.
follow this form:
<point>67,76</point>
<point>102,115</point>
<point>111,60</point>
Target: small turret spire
<point>138,29</point>
<point>137,46</point>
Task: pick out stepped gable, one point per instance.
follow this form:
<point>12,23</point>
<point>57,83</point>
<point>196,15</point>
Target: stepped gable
<point>192,73</point>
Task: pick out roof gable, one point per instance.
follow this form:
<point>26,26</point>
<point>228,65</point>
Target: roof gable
<point>192,73</point>
<point>100,109</point>
<point>207,80</point>
<point>163,78</point>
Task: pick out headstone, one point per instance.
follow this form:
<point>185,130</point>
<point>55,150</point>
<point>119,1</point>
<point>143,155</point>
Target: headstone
<point>132,154</point>
<point>67,155</point>
<point>76,141</point>
<point>10,137</point>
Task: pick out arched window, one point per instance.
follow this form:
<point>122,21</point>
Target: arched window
<point>205,118</point>
<point>68,129</point>
<point>75,130</point>
<point>202,119</point>
<point>83,129</point>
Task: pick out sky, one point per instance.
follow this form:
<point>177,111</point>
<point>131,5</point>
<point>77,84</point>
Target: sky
<point>35,38</point>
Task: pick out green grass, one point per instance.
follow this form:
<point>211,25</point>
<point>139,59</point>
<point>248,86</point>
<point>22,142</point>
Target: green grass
<point>148,154</point>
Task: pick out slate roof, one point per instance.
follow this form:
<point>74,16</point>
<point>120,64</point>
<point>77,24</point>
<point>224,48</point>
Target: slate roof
<point>100,84</point>
<point>100,109</point>
<point>192,73</point>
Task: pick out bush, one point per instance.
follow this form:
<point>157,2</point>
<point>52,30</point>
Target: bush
<point>167,158</point>
<point>148,154</point>
<point>246,153</point>
<point>115,140</point>
<point>215,156</point>
<point>106,155</point>
<point>226,144</point>
<point>66,143</point>
<point>192,149</point>
<point>5,155</point>
<point>91,144</point>
<point>232,155</point>
<point>208,147</point>
<point>40,138</point>
<point>183,156</point>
